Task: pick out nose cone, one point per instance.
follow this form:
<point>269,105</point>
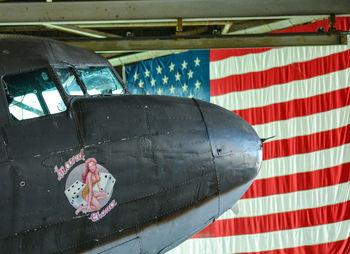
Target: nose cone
<point>236,148</point>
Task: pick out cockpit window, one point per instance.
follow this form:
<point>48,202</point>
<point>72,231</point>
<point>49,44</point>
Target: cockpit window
<point>32,94</point>
<point>100,80</point>
<point>68,81</point>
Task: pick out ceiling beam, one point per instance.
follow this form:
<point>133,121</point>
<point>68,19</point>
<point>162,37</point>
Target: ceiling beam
<point>132,58</point>
<point>278,25</point>
<point>238,41</point>
<point>281,24</point>
<point>154,23</point>
<point>80,31</point>
<point>114,11</point>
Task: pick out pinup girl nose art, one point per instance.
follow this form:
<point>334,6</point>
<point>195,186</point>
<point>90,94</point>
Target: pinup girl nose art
<point>89,187</point>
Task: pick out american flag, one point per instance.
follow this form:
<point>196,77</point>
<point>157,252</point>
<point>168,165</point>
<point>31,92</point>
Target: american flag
<point>300,201</point>
<point>185,74</point>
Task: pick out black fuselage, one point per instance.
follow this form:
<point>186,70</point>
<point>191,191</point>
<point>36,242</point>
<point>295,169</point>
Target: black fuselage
<point>169,156</point>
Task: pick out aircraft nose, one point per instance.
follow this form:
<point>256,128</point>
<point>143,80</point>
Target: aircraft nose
<point>236,149</point>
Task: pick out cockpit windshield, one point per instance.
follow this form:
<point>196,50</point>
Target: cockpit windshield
<point>68,81</point>
<point>99,80</point>
<point>32,94</point>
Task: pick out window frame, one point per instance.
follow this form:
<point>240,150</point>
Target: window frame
<point>79,81</point>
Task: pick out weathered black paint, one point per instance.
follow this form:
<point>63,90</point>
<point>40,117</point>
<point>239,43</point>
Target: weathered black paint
<point>170,157</point>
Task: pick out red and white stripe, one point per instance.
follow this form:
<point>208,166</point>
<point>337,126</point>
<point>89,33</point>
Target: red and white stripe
<point>300,201</point>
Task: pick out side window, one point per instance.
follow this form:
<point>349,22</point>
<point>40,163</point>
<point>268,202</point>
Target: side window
<point>68,81</point>
<point>32,94</point>
<point>100,80</point>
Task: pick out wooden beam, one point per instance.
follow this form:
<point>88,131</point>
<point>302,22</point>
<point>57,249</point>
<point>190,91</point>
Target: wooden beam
<point>239,41</point>
<point>278,25</point>
<point>81,31</point>
<point>132,58</point>
<point>153,23</point>
<point>239,27</point>
<point>116,11</point>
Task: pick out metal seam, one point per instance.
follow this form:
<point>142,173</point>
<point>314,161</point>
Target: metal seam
<point>211,146</point>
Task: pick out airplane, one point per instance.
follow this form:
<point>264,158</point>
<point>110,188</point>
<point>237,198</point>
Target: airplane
<point>87,167</point>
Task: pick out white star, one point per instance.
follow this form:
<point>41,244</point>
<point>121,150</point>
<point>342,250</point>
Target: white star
<point>172,89</point>
<point>136,76</point>
<point>184,87</point>
<point>141,84</point>
<point>159,69</point>
<point>171,67</point>
<point>147,73</point>
<point>165,80</point>
<point>159,92</point>
<point>197,61</point>
<point>190,74</point>
<point>190,96</point>
<point>153,82</point>
<point>178,76</point>
<point>198,84</point>
<point>184,65</point>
